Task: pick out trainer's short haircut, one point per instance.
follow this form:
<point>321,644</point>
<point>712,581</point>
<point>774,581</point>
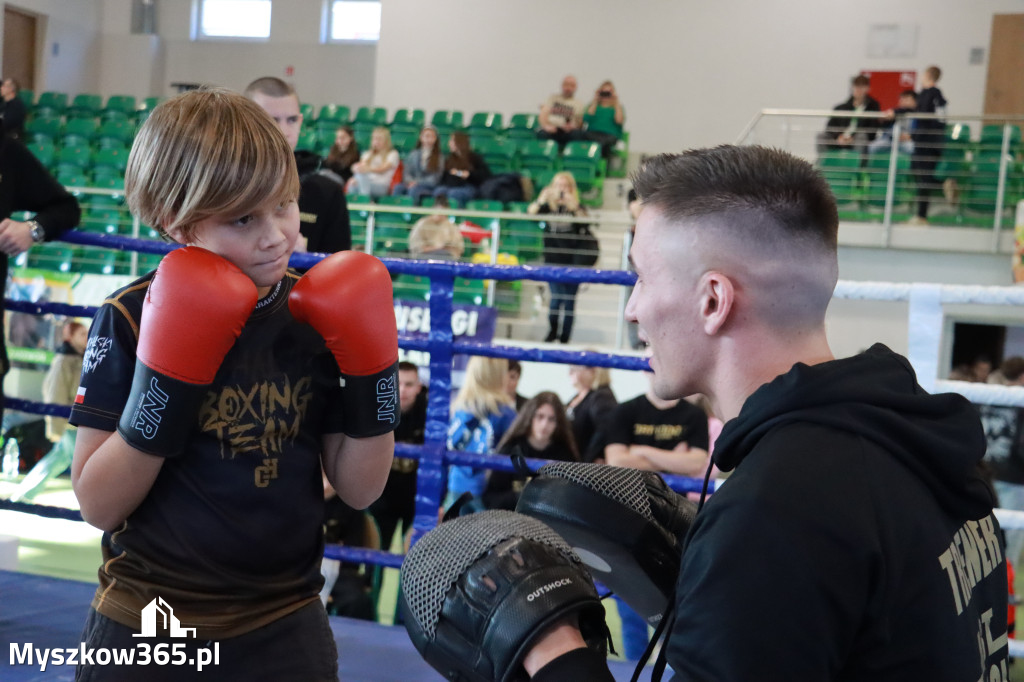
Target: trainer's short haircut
<point>770,185</point>
<point>209,152</point>
<point>269,86</point>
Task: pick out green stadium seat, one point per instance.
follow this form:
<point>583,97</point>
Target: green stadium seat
<point>73,178</point>
<point>522,127</point>
<point>991,142</point>
<point>378,116</point>
<point>404,141</point>
<point>876,179</point>
<point>114,158</point>
<point>85,105</point>
<point>337,114</point>
<point>98,261</point>
<point>51,256</point>
<point>517,206</point>
<point>357,217</point>
<point>842,171</point>
<point>499,155</point>
<point>391,230</point>
<point>362,137</point>
<point>484,205</point>
<point>537,156</point>
<point>124,105</point>
<point>51,104</point>
<point>486,124</point>
<point>42,126</point>
<point>447,121</point>
<point>470,291</point>
<point>81,129</point>
<point>44,150</point>
<point>100,220</point>
<point>523,239</point>
<point>27,97</point>
<point>78,156</point>
<point>307,112</point>
<point>584,161</point>
<point>411,288</point>
<point>118,133</point>
<point>149,262</point>
<point>111,181</point>
<point>982,188</point>
<point>145,108</point>
<point>414,118</point>
<point>309,141</point>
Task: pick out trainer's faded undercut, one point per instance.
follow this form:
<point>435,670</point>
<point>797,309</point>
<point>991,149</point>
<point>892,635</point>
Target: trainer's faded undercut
<point>209,152</point>
<point>771,184</point>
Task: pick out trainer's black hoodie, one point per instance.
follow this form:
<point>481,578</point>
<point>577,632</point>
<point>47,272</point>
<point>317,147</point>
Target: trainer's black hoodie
<point>853,541</point>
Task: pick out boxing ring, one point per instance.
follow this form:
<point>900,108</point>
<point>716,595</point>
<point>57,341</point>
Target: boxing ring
<point>50,611</point>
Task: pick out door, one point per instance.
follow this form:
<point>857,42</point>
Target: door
<point>19,53</point>
<point>1004,87</point>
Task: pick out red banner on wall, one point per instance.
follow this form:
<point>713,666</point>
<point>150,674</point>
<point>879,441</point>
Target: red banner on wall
<point>886,86</point>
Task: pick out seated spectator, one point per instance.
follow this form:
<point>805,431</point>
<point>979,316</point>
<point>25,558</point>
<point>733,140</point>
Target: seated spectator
<point>604,118</point>
<point>422,167</point>
<point>883,143</point>
<point>435,237</point>
<point>397,504</point>
<point>541,431</point>
<point>373,173</point>
<point>658,435</point>
<point>589,409</point>
<point>515,372</point>
<point>344,153</point>
<point>346,590</point>
<point>464,172</point>
<point>482,412</point>
<point>561,239</point>
<point>851,132</point>
<point>561,116</point>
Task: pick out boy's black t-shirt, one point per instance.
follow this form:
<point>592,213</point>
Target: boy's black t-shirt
<point>638,422</point>
<point>230,534</point>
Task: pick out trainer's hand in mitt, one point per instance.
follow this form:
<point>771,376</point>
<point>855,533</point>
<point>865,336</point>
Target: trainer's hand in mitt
<point>478,590</point>
<point>627,525</point>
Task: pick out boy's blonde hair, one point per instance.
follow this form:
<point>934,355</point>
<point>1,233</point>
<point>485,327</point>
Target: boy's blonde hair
<point>209,152</point>
<point>483,391</point>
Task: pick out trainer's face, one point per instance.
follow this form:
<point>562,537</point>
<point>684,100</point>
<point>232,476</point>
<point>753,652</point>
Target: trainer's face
<point>542,427</point>
<point>665,304</point>
<point>285,112</point>
<point>259,242</point>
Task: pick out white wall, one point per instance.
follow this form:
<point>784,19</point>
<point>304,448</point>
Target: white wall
<point>690,72</point>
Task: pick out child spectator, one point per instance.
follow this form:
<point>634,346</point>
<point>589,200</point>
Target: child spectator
<point>883,143</point>
<point>604,118</point>
<point>373,173</point>
<point>59,387</point>
<point>464,172</point>
<point>929,139</point>
<point>560,197</point>
<point>482,414</point>
<point>434,237</point>
<point>422,167</point>
<point>344,153</point>
<point>541,431</point>
<point>589,408</point>
<point>221,388</point>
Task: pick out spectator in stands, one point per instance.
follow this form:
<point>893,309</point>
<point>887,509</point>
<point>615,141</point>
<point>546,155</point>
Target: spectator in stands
<point>590,408</point>
<point>515,372</point>
<point>344,153</point>
<point>851,132</point>
<point>435,237</point>
<point>422,167</point>
<point>346,590</point>
<point>12,110</point>
<point>604,118</point>
<point>60,386</point>
<point>373,174</point>
<point>464,172</point>
<point>323,211</point>
<point>561,116</point>
<point>482,413</point>
<point>25,185</point>
<point>1004,453</point>
<point>658,435</point>
<point>883,143</point>
<point>929,139</point>
<point>560,198</point>
<point>397,504</point>
<point>541,431</point>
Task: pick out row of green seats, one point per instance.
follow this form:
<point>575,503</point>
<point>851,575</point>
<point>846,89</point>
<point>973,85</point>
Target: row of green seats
<point>87,105</point>
<point>60,257</point>
<point>78,131</point>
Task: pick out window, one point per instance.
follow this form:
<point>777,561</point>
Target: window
<point>248,19</point>
<point>353,20</point>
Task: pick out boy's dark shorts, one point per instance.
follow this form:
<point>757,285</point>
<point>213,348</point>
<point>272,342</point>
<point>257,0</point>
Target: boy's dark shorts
<point>299,646</point>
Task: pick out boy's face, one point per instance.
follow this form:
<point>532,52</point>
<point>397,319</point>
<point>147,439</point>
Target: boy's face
<point>285,112</point>
<point>908,102</point>
<point>258,242</point>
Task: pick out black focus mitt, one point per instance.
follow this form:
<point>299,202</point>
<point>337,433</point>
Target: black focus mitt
<point>627,525</point>
<point>478,590</point>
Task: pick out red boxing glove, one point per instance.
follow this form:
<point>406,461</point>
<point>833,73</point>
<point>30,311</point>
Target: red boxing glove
<point>347,298</point>
<point>196,306</point>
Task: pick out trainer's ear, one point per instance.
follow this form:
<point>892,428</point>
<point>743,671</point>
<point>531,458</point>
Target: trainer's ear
<point>717,295</point>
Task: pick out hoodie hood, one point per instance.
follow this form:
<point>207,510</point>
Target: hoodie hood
<point>307,162</point>
<point>874,395</point>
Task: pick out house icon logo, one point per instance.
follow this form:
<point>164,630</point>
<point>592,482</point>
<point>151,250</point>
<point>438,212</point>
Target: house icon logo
<point>159,609</point>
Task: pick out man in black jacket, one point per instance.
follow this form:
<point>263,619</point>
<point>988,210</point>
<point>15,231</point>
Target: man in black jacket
<point>12,109</point>
<point>25,185</point>
<point>323,211</point>
<point>852,132</point>
<point>855,538</point>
